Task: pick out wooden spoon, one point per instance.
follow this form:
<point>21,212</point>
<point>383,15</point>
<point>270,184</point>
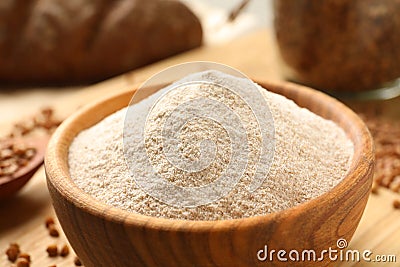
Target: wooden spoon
<point>9,185</point>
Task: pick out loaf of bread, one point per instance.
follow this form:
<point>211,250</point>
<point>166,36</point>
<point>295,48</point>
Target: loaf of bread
<point>83,41</point>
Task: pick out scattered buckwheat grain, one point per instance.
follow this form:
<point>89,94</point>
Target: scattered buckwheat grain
<point>22,262</point>
<point>12,252</point>
<point>396,204</point>
<point>64,252</point>
<point>77,262</point>
<point>49,221</point>
<point>25,256</point>
<point>53,231</point>
<point>52,250</point>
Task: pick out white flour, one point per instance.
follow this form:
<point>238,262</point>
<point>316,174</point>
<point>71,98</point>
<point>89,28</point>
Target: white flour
<point>311,156</point>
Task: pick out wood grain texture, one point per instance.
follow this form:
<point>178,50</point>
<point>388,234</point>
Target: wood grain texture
<point>105,236</point>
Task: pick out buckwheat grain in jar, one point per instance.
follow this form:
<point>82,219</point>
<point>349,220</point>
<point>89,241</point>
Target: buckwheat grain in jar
<point>341,46</point>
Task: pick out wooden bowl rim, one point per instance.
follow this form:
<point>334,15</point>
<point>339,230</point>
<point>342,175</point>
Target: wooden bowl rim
<point>56,171</point>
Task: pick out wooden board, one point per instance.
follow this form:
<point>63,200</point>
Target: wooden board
<point>22,217</point>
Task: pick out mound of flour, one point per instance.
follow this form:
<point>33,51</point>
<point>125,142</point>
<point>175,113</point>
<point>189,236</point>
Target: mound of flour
<point>311,155</point>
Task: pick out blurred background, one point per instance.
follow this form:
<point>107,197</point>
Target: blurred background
<point>255,15</point>
<point>56,48</point>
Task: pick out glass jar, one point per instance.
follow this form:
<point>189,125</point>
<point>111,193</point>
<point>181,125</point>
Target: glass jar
<point>341,46</point>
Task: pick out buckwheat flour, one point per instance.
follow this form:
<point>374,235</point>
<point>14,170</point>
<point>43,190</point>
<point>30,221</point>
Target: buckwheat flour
<point>311,156</point>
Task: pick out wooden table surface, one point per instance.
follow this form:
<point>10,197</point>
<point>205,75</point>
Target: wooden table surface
<point>22,217</point>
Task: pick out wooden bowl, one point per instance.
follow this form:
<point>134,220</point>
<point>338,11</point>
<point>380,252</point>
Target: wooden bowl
<point>103,235</point>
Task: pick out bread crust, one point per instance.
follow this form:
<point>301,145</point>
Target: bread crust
<point>84,41</point>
